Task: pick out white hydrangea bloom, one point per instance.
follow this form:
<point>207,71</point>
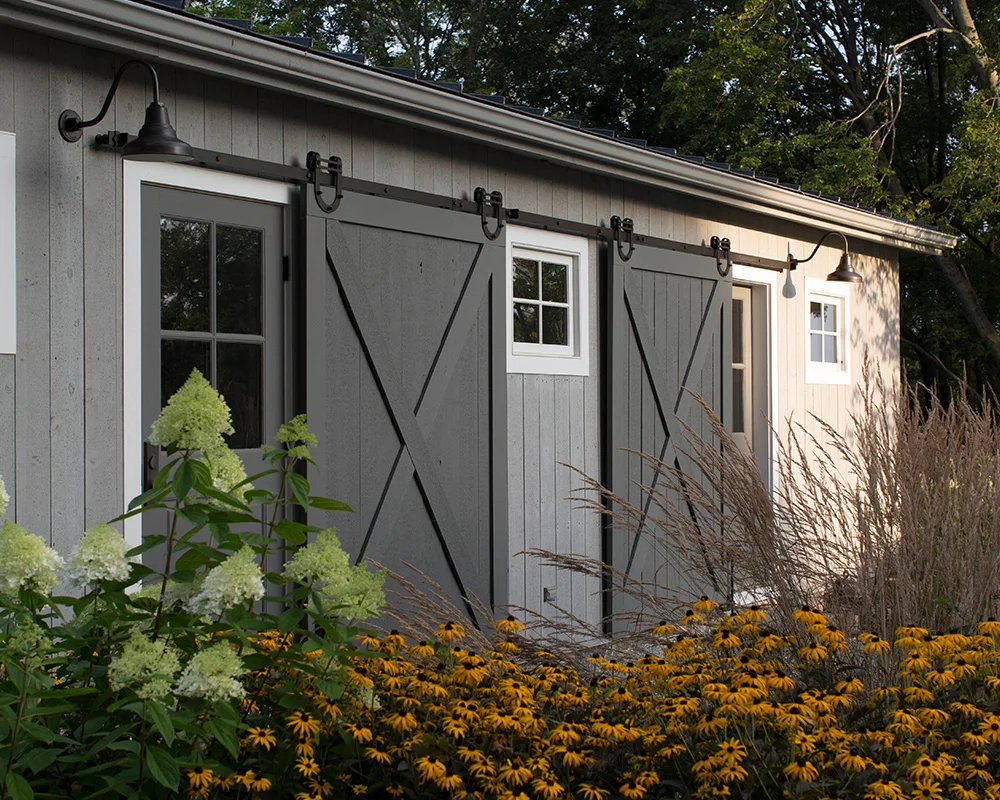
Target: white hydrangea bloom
<point>146,667</point>
<point>99,556</point>
<point>355,592</point>
<point>195,417</point>
<point>212,675</point>
<point>4,497</point>
<point>227,470</point>
<point>26,561</point>
<point>236,580</point>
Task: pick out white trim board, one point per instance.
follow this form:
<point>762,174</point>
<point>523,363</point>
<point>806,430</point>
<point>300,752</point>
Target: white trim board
<point>8,246</point>
<point>174,176</point>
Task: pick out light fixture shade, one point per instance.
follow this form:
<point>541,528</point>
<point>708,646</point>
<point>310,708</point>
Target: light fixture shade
<point>844,273</point>
<point>157,140</point>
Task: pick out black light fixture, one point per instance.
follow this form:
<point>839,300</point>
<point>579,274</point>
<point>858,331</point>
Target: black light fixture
<point>156,141</point>
<point>844,273</point>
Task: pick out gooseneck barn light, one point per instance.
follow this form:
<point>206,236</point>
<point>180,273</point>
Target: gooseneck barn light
<point>156,141</point>
<point>844,273</point>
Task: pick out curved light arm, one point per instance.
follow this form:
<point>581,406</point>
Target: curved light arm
<point>73,124</point>
<point>793,262</point>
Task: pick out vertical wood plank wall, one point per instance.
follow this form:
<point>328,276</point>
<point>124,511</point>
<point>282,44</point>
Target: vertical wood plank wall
<point>61,442</point>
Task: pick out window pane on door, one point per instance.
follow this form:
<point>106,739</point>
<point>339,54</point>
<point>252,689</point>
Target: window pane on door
<point>239,368</point>
<point>177,358</point>
<point>185,274</point>
<point>238,256</point>
<point>739,400</point>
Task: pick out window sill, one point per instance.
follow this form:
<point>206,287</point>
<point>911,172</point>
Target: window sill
<point>547,365</point>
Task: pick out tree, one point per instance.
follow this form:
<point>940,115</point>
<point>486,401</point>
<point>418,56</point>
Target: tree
<point>885,103</point>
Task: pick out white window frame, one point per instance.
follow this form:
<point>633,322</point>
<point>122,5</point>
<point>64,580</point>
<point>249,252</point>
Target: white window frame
<point>8,246</point>
<point>174,176</point>
<point>820,291</point>
<point>541,359</point>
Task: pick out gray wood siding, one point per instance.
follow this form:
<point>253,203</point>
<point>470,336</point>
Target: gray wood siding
<point>61,444</point>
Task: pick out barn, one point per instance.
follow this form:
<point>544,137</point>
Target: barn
<point>464,296</point>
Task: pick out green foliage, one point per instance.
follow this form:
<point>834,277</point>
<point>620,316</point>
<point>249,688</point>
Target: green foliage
<point>150,676</point>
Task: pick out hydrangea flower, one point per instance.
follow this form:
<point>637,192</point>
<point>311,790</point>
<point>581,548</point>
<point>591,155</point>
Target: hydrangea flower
<point>145,666</point>
<point>30,641</point>
<point>236,580</point>
<point>296,437</point>
<point>4,497</point>
<point>356,592</point>
<point>195,417</point>
<point>227,470</point>
<point>26,561</point>
<point>212,675</point>
<point>99,556</point>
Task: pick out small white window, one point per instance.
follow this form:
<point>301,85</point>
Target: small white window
<point>8,249</point>
<point>547,303</point>
<point>827,332</point>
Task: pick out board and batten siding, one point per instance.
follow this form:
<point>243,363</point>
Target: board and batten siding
<point>61,395</point>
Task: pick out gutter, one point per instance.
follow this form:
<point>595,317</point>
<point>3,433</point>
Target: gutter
<point>177,39</point>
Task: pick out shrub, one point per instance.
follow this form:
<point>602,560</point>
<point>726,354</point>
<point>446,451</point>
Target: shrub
<point>179,683</point>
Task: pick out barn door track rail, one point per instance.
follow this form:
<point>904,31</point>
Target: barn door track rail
<point>328,174</point>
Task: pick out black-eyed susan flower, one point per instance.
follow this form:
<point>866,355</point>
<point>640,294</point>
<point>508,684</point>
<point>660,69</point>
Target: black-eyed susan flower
<point>423,649</point>
<point>927,790</point>
<point>303,723</point>
<point>376,755</point>
<point>510,625</point>
<point>548,788</point>
<point>449,782</point>
<point>260,737</point>
<point>514,773</point>
<point>259,783</point>
<point>449,632</point>
<point>732,751</point>
<point>307,767</point>
<point>429,768</point>
<point>704,605</point>
<point>632,790</point>
<point>199,777</point>
<point>590,792</point>
<point>801,769</point>
<point>851,760</point>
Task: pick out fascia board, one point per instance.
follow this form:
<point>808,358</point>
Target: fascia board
<point>158,34</point>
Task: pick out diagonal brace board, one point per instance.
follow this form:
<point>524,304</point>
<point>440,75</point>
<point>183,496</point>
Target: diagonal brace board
<point>643,336</point>
<point>363,318</point>
<point>432,394</point>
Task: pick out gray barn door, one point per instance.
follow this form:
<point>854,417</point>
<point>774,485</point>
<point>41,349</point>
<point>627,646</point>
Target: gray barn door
<point>405,387</point>
<point>668,332</point>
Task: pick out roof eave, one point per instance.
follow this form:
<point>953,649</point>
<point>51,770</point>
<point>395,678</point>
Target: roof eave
<point>157,33</point>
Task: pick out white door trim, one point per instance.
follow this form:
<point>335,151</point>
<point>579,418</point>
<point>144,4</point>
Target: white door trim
<point>769,279</point>
<point>174,176</point>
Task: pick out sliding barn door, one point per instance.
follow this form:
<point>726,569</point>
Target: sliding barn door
<point>669,335</point>
<point>405,387</point>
